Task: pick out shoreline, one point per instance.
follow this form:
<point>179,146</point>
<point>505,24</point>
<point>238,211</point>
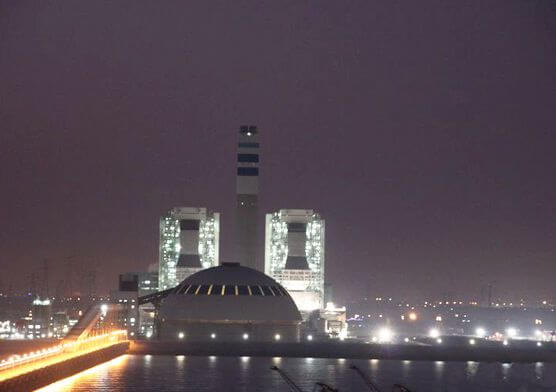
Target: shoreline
<point>347,350</point>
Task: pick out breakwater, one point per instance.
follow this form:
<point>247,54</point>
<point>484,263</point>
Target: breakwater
<point>57,371</point>
<point>349,350</point>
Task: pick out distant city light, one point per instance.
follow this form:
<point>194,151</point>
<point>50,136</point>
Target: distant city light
<point>438,340</point>
<point>181,335</point>
<point>413,316</point>
<point>213,336</point>
<point>511,332</point>
<point>472,342</point>
<point>309,337</point>
<point>434,333</point>
<point>385,335</point>
<point>480,332</point>
<point>245,336</point>
<point>277,336</point>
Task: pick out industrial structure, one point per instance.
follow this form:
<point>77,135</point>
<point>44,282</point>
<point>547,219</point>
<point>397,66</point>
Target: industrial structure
<point>189,242</point>
<point>147,283</point>
<point>294,255</point>
<point>228,303</point>
<point>126,298</point>
<point>294,250</point>
<point>247,189</point>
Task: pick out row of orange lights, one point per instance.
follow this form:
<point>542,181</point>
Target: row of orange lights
<point>33,355</point>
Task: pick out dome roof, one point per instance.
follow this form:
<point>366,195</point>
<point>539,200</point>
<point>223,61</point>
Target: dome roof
<point>228,273</point>
<point>229,292</point>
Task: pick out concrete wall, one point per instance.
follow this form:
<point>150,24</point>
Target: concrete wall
<point>49,374</point>
<point>228,331</point>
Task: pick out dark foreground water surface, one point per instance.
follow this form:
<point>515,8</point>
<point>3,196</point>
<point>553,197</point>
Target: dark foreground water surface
<point>141,373</point>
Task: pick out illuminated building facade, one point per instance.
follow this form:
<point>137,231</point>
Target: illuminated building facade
<point>126,296</point>
<point>247,189</point>
<point>294,255</point>
<point>329,322</point>
<point>147,283</point>
<point>41,320</point>
<point>189,242</point>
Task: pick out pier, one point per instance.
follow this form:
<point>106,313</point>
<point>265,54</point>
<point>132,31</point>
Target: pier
<point>91,341</point>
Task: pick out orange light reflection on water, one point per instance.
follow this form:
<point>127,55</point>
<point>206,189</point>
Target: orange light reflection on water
<point>67,384</point>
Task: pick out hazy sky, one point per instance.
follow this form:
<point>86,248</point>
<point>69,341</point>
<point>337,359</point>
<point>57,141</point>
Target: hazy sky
<point>424,133</point>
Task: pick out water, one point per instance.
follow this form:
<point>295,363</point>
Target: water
<point>141,373</point>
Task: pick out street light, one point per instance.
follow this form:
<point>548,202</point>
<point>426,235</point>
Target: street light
<point>385,335</point>
<point>480,332</point>
<point>511,332</point>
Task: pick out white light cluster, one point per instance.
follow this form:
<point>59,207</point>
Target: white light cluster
<point>279,243</point>
<point>311,281</point>
<point>208,231</point>
<point>169,251</point>
<point>209,226</point>
<point>385,335</point>
<point>314,248</point>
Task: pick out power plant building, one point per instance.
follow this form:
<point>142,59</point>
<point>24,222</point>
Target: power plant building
<point>189,242</point>
<point>294,255</point>
<point>247,190</point>
<point>229,303</point>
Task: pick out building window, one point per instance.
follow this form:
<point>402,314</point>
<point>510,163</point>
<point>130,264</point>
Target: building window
<point>279,290</point>
<point>183,289</point>
<point>229,290</point>
<point>266,290</point>
<point>192,289</point>
<point>247,171</point>
<point>203,289</point>
<point>248,145</point>
<point>243,290</point>
<point>216,289</point>
<point>256,290</point>
<point>251,158</point>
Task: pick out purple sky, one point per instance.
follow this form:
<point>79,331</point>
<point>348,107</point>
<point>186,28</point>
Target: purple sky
<point>422,131</point>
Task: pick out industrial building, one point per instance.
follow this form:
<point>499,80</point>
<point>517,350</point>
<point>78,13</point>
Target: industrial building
<point>147,283</point>
<point>247,190</point>
<point>228,303</point>
<point>40,325</point>
<point>126,296</point>
<point>294,255</point>
<point>189,242</point>
<point>233,301</point>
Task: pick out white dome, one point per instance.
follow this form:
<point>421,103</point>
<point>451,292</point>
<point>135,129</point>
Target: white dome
<point>229,292</point>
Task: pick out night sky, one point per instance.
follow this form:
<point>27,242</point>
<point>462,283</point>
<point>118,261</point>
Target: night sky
<point>423,132</point>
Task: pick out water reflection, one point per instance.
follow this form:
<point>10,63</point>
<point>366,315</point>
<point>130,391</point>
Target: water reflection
<point>253,374</point>
<point>406,367</point>
<point>471,369</point>
<point>506,370</point>
<point>539,366</point>
<point>102,373</point>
